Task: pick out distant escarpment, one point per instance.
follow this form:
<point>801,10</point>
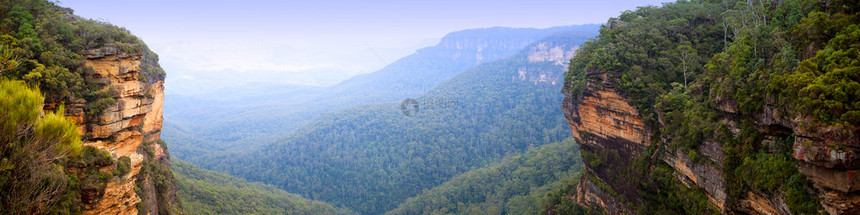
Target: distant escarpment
<point>705,108</point>
<point>489,44</point>
<point>107,89</point>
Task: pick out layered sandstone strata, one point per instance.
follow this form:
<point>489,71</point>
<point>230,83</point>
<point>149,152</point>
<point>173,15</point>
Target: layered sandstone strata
<point>134,119</point>
<point>605,124</point>
<point>612,131</point>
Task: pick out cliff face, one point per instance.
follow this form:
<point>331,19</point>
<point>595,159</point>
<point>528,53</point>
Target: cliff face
<point>605,125</point>
<point>545,52</point>
<point>829,157</point>
<point>676,113</point>
<point>483,45</point>
<point>559,54</point>
<point>490,44</point>
<point>611,135</point>
<point>128,128</point>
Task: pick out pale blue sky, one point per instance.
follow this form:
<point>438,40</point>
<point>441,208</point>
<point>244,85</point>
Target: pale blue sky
<point>206,44</point>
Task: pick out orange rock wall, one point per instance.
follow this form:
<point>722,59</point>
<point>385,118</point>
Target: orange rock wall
<point>602,121</point>
<point>606,114</point>
<point>134,119</point>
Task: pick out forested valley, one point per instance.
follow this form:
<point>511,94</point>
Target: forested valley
<point>371,157</point>
<point>689,107</point>
<point>253,115</point>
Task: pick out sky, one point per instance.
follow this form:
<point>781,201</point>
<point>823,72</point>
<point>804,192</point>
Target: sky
<point>205,45</point>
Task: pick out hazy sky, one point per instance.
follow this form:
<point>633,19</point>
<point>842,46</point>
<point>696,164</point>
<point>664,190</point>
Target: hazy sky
<point>208,44</point>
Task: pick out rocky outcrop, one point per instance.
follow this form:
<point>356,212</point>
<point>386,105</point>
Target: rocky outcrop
<point>602,112</point>
<point>559,54</point>
<point>612,132</point>
<point>478,46</point>
<point>829,156</point>
<point>123,129</point>
<point>604,124</point>
<point>555,53</point>
<point>708,177</point>
<point>754,203</point>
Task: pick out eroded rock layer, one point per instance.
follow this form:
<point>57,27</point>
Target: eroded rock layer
<point>611,134</point>
<point>605,125</point>
<point>123,129</point>
<point>829,156</point>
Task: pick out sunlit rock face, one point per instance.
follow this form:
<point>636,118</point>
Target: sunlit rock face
<point>604,123</point>
<point>122,129</point>
<point>604,113</point>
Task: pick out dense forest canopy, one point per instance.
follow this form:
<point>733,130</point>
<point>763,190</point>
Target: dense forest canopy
<point>208,192</point>
<point>518,184</point>
<point>804,46</point>
<point>372,157</point>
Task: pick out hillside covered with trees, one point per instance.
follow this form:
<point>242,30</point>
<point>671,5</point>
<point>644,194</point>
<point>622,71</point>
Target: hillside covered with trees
<point>518,184</point>
<point>769,83</point>
<point>208,192</point>
<point>691,107</point>
<point>245,118</point>
<point>371,157</point>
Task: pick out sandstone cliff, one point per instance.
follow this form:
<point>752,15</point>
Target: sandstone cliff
<point>129,128</point>
<point>830,157</point>
<point>676,113</point>
<point>605,125</point>
<point>549,51</point>
<point>612,135</point>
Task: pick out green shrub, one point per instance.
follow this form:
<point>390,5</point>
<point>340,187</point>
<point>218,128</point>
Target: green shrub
<point>32,147</point>
<point>123,165</point>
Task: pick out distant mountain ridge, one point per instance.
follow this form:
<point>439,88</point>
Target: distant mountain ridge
<point>224,124</point>
<point>370,158</point>
<point>456,52</point>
